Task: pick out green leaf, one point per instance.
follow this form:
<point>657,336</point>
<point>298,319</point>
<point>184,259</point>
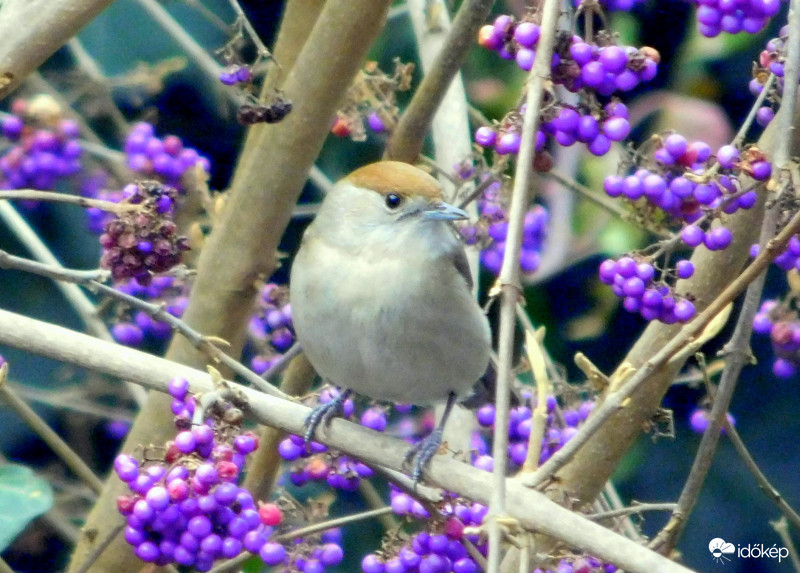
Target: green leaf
<point>23,497</point>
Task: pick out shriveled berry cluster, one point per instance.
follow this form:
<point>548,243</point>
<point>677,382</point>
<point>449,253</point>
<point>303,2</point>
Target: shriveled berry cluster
<point>271,112</point>
<point>139,243</point>
<point>636,283</point>
<point>779,319</point>
<point>46,147</point>
<point>170,292</point>
<point>734,16</point>
<point>371,102</point>
<point>771,60</point>
<point>166,159</point>
<point>490,230</point>
<point>186,507</point>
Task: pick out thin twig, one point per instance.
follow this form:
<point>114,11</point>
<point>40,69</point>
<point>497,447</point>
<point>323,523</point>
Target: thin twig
<point>46,433</point>
<point>614,401</point>
<point>598,199</point>
<point>635,508</point>
<point>509,278</point>
<point>71,400</point>
<point>82,305</point>
<point>89,66</point>
<point>197,52</point>
<point>156,311</point>
<point>763,483</point>
<point>231,564</point>
<point>782,529</point>
<point>55,197</point>
<point>612,501</point>
<point>263,52</point>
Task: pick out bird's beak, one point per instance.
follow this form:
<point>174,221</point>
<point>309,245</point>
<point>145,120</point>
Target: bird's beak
<point>442,211</point>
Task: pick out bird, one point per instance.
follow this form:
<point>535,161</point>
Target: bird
<point>382,300</point>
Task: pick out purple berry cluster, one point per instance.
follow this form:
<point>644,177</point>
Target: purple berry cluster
<point>673,180</point>
<point>491,229</point>
<point>566,124</point>
<point>696,190</point>
<point>734,16</point>
<point>165,159</point>
<point>770,61</point>
<point>780,321</point>
<point>635,282</point>
<point>562,424</point>
<point>137,244</point>
<point>270,329</point>
<point>315,462</point>
<point>236,74</point>
<point>440,546</point>
<point>438,549</point>
<point>45,145</point>
<point>167,291</point>
<point>602,67</point>
<point>592,68</point>
<point>187,509</point>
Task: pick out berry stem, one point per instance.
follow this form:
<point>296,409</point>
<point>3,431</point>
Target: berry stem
<point>56,197</point>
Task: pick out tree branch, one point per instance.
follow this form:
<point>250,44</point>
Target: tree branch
<point>33,31</point>
<point>533,511</point>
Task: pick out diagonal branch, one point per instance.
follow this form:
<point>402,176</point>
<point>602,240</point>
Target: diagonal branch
<point>533,510</point>
<point>409,135</point>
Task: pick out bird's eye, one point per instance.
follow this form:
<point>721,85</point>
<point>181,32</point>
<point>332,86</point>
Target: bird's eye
<point>393,200</point>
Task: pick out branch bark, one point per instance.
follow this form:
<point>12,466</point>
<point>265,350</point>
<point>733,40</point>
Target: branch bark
<point>33,31</point>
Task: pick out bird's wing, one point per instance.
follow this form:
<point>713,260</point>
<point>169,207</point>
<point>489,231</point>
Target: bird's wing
<point>459,258</point>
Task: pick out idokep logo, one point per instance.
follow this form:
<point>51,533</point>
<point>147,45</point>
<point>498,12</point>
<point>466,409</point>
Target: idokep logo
<point>721,549</point>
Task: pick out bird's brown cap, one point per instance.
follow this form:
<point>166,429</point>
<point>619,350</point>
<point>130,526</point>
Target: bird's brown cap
<point>395,177</point>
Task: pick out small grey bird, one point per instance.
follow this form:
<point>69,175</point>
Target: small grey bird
<point>381,297</point>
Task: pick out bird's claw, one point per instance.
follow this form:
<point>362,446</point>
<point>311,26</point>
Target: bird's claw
<point>420,455</point>
<point>323,414</point>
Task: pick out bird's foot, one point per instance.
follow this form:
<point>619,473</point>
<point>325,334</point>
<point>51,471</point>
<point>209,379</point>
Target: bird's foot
<point>323,414</point>
<point>420,455</point>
